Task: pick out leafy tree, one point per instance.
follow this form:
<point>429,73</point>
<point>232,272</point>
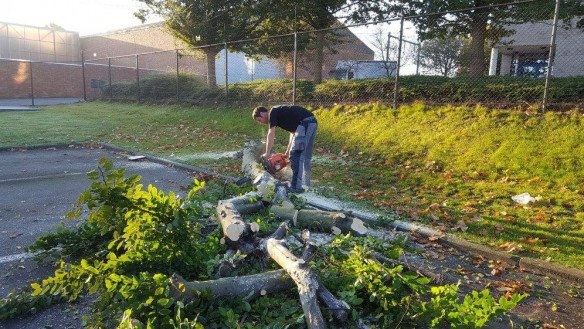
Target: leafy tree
<point>207,22</point>
<point>441,55</point>
<point>308,15</point>
<point>482,21</point>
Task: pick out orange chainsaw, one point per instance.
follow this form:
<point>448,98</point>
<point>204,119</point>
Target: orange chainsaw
<point>275,163</point>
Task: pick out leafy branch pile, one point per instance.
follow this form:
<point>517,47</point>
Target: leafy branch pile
<point>138,248</point>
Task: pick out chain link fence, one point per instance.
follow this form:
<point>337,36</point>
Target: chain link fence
<point>503,56</point>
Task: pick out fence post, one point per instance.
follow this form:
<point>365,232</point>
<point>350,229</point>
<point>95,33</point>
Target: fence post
<point>137,79</point>
<point>31,84</point>
<point>399,48</point>
<point>109,76</point>
<point>83,75</point>
<point>226,76</point>
<point>419,46</point>
<point>294,68</point>
<point>551,57</point>
<point>177,78</point>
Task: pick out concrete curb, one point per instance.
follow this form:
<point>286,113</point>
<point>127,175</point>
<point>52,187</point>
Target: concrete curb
<point>171,163</point>
<point>110,147</point>
<point>528,263</point>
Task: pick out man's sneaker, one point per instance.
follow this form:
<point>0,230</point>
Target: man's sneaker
<point>295,190</point>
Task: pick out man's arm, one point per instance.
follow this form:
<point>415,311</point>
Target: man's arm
<point>269,141</point>
<point>289,145</point>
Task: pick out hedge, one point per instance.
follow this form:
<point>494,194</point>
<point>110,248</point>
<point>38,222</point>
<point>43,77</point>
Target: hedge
<point>433,89</point>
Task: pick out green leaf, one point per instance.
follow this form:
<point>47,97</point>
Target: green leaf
<point>84,264</point>
<point>36,289</point>
<point>106,164</point>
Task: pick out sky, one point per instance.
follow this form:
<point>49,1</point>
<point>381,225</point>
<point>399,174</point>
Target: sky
<point>97,16</point>
<point>83,16</point>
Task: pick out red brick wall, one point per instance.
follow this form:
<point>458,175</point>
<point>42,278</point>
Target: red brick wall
<point>49,80</point>
<point>52,80</point>
<point>145,39</point>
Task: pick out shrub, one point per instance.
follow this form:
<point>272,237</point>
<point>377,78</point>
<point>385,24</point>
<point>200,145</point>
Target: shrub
<point>431,89</point>
<point>162,88</point>
<point>270,90</point>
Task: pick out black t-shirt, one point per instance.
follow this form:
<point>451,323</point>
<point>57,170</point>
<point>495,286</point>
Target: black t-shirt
<point>288,117</point>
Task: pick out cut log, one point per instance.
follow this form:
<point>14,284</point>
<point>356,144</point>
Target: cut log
<point>250,165</point>
<point>248,286</point>
<point>322,221</point>
<point>236,232</point>
<point>305,280</point>
<point>247,203</point>
<point>338,308</point>
<point>267,185</point>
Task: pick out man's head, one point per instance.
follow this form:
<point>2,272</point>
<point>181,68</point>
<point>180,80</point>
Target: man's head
<point>260,114</point>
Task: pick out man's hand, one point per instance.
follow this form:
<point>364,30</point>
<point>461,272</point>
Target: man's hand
<point>266,155</point>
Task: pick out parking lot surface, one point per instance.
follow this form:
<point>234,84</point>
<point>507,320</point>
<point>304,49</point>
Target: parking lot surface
<point>37,188</point>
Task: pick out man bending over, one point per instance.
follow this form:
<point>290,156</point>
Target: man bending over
<point>302,126</point>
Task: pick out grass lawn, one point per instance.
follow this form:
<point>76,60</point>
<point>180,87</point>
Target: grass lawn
<point>453,168</point>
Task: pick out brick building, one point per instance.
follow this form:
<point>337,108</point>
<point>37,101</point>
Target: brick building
<point>53,59</point>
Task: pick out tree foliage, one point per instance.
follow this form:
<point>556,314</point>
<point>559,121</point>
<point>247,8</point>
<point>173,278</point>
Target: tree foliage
<point>483,22</point>
<point>441,55</point>
<point>141,236</point>
<point>208,24</point>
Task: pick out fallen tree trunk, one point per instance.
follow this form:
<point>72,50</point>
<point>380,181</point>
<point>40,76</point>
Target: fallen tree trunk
<point>322,221</point>
<point>247,203</point>
<point>269,187</point>
<point>305,280</point>
<point>237,234</point>
<point>248,286</point>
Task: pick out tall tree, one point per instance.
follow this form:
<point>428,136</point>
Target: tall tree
<point>308,15</point>
<point>482,21</point>
<point>207,22</point>
<point>441,55</point>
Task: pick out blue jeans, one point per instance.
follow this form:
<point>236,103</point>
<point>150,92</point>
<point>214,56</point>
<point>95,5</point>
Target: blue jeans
<point>301,152</point>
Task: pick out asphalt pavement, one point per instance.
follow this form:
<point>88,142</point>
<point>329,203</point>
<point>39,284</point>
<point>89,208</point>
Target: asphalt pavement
<point>37,188</point>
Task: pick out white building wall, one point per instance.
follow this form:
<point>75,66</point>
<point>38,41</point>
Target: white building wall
<point>243,69</point>
<point>533,37</point>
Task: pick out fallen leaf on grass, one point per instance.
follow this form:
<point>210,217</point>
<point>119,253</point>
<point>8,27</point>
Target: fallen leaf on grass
<point>442,228</point>
<point>545,249</point>
<point>510,247</point>
<point>499,228</point>
<point>433,207</point>
<point>539,217</point>
<point>530,240</point>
